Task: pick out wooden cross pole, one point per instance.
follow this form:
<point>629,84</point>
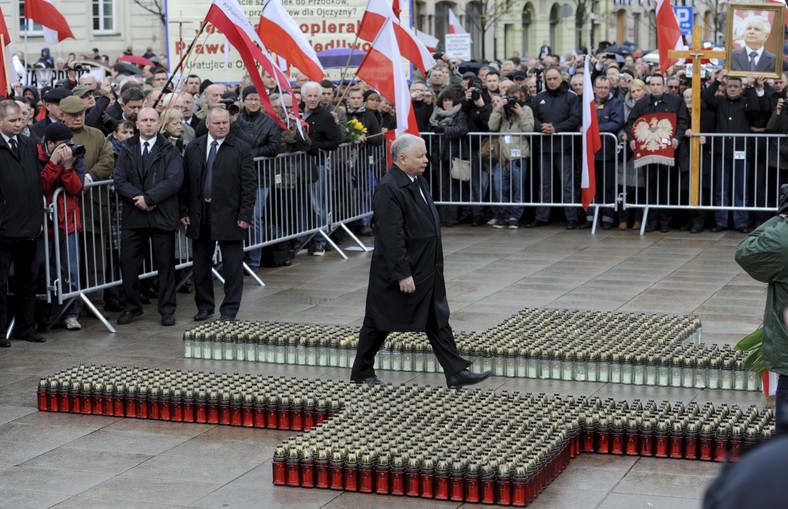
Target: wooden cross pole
<point>695,54</point>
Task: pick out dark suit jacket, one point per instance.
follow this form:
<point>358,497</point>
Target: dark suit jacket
<point>234,187</point>
<point>407,243</point>
<point>740,61</point>
<point>21,194</point>
<point>159,184</point>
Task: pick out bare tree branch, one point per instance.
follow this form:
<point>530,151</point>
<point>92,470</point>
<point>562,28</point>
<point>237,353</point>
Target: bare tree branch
<point>155,7</point>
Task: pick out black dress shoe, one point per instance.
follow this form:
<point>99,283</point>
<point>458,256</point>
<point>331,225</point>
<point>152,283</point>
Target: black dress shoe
<point>371,381</point>
<point>202,315</point>
<point>607,226</point>
<point>168,320</point>
<point>33,337</point>
<point>4,342</point>
<point>571,225</point>
<point>535,224</point>
<point>227,318</point>
<point>583,226</point>
<point>466,377</point>
<point>743,229</point>
<point>477,221</point>
<point>696,229</point>
<point>717,228</point>
<point>664,229</point>
<point>127,317</point>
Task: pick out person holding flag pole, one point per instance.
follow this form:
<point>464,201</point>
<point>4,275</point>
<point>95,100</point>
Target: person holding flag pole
<point>606,116</point>
<point>591,141</point>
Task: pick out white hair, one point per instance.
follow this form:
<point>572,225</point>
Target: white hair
<point>311,84</point>
<point>402,144</point>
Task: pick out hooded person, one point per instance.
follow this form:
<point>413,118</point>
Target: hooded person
<point>763,254</point>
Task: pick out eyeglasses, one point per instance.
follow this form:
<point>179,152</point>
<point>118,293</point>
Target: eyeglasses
<point>673,87</point>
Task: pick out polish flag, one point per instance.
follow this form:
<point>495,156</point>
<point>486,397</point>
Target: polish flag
<point>781,2</point>
<point>668,34</point>
<point>229,19</point>
<point>428,40</point>
<point>382,68</point>
<point>410,46</point>
<point>7,71</point>
<point>454,24</point>
<point>591,140</point>
<point>44,13</point>
<point>280,33</point>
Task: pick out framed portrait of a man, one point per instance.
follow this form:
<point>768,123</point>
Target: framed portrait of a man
<point>754,41</point>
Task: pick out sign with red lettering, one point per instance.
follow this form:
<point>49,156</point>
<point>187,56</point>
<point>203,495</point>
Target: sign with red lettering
<point>327,24</point>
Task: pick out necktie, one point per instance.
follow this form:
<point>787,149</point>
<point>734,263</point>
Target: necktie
<point>753,55</point>
<point>421,190</point>
<point>12,143</point>
<point>207,186</point>
<point>146,155</point>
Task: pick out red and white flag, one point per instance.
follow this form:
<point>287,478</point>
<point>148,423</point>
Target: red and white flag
<point>44,13</point>
<point>782,2</point>
<point>428,40</point>
<point>382,68</point>
<point>229,19</point>
<point>281,35</point>
<point>7,71</point>
<point>454,24</point>
<point>591,139</point>
<point>668,34</point>
<point>410,46</point>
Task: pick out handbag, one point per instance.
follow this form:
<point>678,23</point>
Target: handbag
<point>491,150</point>
<point>460,169</point>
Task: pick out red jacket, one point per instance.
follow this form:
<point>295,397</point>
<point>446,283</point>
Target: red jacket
<point>71,180</point>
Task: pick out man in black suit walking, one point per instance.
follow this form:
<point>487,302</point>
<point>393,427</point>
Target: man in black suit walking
<point>217,204</point>
<point>406,290</point>
<point>753,57</point>
<point>148,175</point>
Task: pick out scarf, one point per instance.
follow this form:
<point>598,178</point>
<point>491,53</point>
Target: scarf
<point>444,117</point>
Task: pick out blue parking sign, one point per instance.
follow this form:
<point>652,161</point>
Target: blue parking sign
<point>684,16</point>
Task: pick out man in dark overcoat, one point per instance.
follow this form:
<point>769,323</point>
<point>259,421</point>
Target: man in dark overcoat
<point>217,203</point>
<point>21,222</point>
<point>148,175</point>
<point>406,290</point>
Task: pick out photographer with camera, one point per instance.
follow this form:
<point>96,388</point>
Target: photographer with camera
<point>61,165</point>
<point>477,106</point>
<point>421,108</point>
<point>510,119</point>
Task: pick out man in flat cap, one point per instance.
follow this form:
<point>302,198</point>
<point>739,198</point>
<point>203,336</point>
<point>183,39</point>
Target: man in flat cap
<point>52,104</point>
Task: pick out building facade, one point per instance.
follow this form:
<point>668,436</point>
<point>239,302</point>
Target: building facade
<point>108,25</point>
<point>502,27</point>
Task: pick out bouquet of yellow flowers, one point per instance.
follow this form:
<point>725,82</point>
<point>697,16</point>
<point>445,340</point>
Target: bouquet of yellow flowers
<point>353,130</point>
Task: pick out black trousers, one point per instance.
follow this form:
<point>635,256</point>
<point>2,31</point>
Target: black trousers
<point>370,340</point>
<point>232,270</point>
<point>23,254</point>
<point>134,248</point>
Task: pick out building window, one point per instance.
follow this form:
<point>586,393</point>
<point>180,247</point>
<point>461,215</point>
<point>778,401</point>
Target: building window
<point>26,26</point>
<point>103,16</point>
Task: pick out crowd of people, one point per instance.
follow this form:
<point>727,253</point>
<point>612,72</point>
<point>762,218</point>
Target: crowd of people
<point>164,143</point>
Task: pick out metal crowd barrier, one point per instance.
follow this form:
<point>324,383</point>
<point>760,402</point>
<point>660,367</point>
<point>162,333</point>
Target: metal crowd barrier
<point>298,196</point>
<point>509,171</point>
<point>741,173</point>
<point>88,261</point>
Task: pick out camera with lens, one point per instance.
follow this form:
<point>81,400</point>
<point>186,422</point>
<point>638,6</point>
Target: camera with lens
<point>77,151</point>
<point>475,86</point>
<point>511,101</point>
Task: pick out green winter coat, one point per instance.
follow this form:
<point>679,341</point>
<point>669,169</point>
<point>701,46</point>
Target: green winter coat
<point>763,254</point>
